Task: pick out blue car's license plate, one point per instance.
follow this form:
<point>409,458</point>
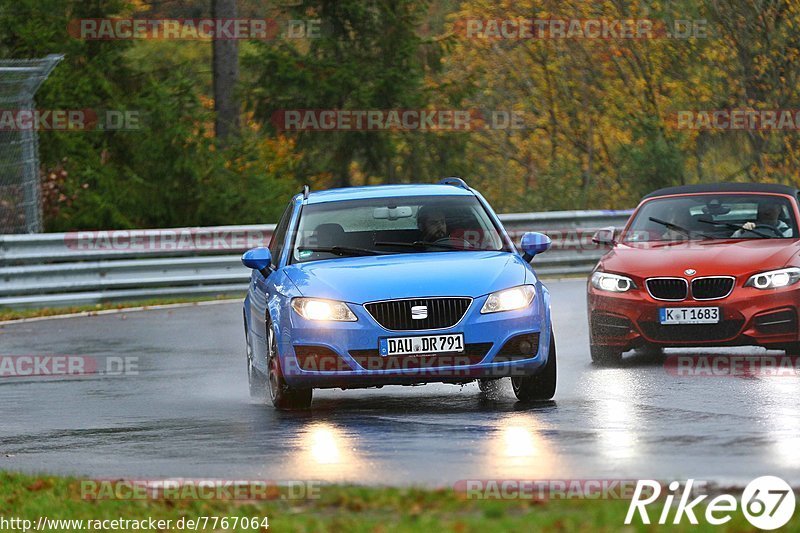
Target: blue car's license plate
<point>420,345</point>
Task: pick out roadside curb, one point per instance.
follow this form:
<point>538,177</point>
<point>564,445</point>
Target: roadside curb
<point>117,311</point>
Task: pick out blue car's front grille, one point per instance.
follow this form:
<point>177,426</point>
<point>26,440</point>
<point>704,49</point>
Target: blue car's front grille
<point>419,313</point>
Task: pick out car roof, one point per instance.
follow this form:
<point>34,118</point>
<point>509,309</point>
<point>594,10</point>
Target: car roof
<point>385,191</point>
<point>725,187</point>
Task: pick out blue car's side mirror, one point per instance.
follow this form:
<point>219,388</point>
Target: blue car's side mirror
<point>534,243</point>
<point>258,259</point>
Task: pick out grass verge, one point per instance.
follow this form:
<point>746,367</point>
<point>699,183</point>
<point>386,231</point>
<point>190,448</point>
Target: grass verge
<point>338,508</point>
<point>18,314</point>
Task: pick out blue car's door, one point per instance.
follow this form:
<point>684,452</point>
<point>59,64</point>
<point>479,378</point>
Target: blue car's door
<point>262,290</point>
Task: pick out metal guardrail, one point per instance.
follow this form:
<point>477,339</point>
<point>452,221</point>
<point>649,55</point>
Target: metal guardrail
<point>80,268</point>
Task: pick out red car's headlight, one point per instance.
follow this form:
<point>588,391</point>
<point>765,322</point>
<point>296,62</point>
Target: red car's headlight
<point>612,282</point>
<point>774,279</point>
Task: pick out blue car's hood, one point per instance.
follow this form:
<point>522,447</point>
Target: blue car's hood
<point>366,279</point>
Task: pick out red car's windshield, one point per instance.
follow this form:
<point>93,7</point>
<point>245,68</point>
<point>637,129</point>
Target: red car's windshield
<point>713,216</point>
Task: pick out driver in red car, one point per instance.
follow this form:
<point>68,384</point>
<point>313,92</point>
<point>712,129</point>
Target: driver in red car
<point>767,218</point>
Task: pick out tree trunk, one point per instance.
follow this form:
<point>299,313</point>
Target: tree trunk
<point>226,75</point>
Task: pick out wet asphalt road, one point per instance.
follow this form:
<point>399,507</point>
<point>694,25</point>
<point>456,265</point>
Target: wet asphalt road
<point>187,414</point>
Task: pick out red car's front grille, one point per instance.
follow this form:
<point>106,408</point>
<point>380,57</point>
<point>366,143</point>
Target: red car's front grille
<point>671,289</point>
<point>712,288</point>
<point>677,289</point>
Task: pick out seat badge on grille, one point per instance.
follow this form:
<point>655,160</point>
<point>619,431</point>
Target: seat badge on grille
<point>690,272</point>
<point>419,312</point>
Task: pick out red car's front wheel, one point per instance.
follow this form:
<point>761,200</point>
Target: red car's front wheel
<point>605,355</point>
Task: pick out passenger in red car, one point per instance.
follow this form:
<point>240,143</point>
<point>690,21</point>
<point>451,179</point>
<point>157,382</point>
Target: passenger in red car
<point>683,228</point>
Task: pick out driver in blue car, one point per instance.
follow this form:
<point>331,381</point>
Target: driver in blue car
<point>766,218</point>
<point>432,224</point>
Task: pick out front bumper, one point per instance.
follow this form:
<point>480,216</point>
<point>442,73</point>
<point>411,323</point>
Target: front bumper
<point>749,317</point>
<point>345,354</point>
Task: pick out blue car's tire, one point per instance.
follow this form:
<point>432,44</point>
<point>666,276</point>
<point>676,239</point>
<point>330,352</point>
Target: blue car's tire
<point>540,386</point>
<point>278,391</point>
<point>255,380</point>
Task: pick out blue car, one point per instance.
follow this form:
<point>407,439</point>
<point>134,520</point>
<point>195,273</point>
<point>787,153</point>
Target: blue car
<point>395,285</point>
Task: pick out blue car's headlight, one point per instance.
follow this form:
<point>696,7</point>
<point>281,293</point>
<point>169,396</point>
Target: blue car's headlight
<point>509,299</point>
<point>319,309</point>
<point>774,279</point>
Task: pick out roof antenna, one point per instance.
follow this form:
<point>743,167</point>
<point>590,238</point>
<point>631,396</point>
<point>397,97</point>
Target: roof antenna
<point>306,190</point>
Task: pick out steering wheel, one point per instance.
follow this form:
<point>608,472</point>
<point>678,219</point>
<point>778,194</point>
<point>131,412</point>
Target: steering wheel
<point>454,242</point>
<point>769,227</point>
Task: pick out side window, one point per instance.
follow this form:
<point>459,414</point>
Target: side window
<point>278,238</point>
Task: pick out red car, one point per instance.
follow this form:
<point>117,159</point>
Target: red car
<point>699,265</point>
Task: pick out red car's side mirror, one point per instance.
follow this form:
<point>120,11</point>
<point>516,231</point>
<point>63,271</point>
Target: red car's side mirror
<point>605,236</point>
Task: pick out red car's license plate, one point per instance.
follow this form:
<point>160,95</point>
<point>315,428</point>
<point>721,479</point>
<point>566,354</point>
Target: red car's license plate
<point>689,315</point>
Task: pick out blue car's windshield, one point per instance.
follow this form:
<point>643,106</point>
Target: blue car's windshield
<point>378,226</point>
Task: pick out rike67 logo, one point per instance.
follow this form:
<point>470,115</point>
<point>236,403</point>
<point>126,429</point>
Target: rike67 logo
<point>767,502</point>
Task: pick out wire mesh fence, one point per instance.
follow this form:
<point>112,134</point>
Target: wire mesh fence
<point>20,207</point>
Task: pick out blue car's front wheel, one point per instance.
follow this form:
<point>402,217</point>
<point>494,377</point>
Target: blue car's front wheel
<point>255,379</point>
<point>282,396</point>
<point>540,386</point>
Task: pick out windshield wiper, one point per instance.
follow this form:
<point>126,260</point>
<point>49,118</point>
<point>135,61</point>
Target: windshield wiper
<point>422,245</point>
<point>679,229</point>
<point>339,250</point>
<point>734,226</point>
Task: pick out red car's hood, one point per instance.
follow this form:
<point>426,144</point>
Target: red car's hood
<point>708,258</point>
